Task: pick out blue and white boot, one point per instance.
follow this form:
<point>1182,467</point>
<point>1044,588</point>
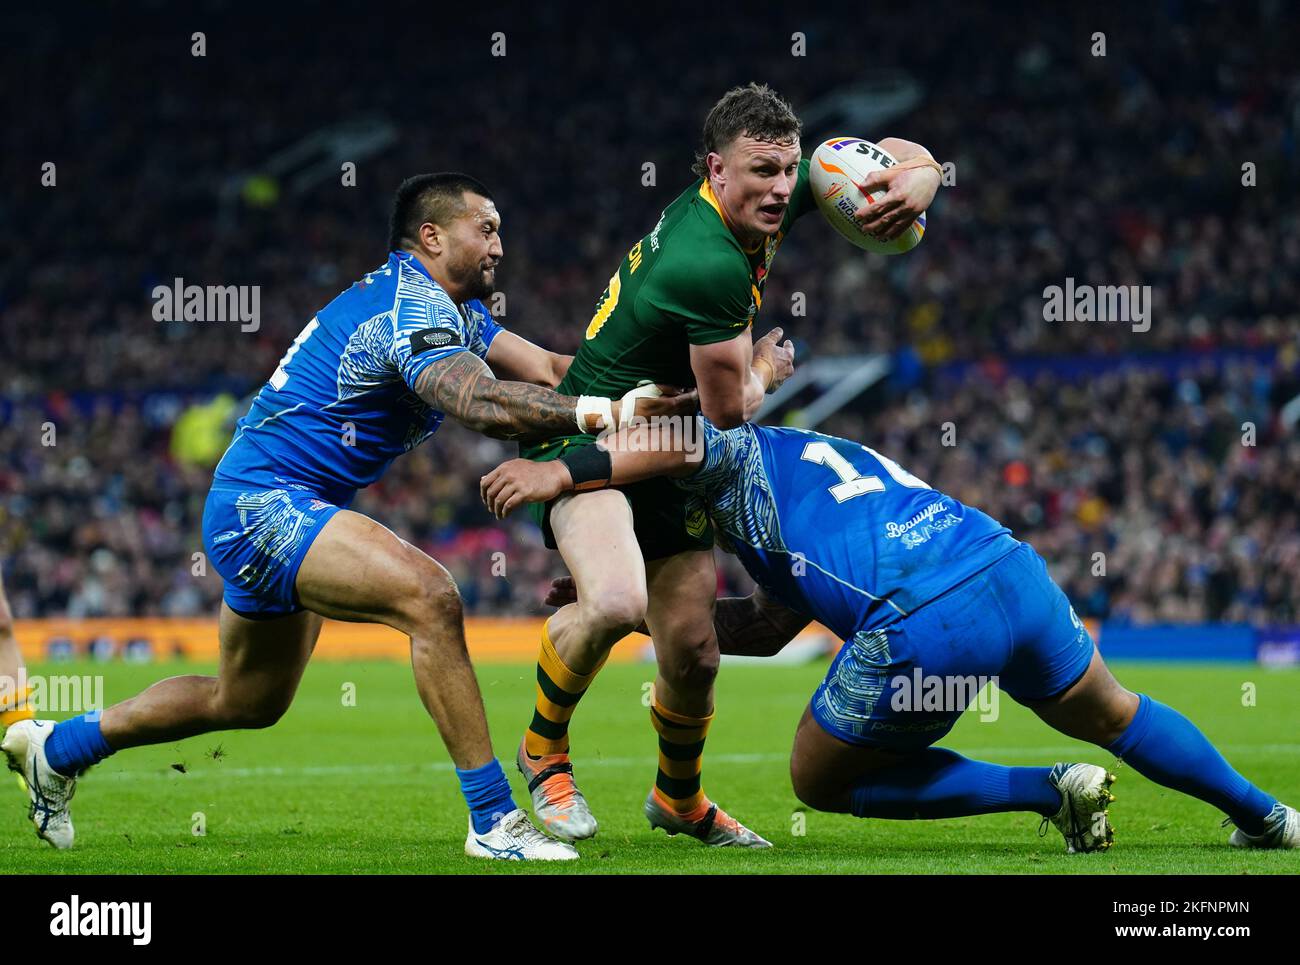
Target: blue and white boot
<point>514,838</point>
<point>48,790</point>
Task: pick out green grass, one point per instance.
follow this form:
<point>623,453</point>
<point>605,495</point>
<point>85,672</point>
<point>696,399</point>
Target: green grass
<point>369,788</point>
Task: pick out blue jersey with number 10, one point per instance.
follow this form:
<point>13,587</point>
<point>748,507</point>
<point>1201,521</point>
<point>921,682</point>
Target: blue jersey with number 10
<point>837,531</point>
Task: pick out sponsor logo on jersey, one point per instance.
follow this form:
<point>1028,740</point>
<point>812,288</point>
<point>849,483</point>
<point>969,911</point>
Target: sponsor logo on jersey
<point>431,338</point>
<point>923,525</point>
<point>654,235</point>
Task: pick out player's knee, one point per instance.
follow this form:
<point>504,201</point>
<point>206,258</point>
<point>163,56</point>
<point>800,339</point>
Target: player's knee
<point>437,600</point>
<point>809,787</point>
<point>261,716</point>
<point>691,663</point>
<point>1113,715</point>
<point>1099,715</point>
<point>253,714</point>
<point>615,612</point>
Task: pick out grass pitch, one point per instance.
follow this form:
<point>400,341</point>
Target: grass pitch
<point>368,788</point>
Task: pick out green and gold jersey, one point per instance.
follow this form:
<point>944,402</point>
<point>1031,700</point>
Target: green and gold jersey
<point>688,282</point>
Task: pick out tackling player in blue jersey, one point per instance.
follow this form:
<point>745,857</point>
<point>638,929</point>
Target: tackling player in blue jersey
<point>920,588</point>
<point>370,377</point>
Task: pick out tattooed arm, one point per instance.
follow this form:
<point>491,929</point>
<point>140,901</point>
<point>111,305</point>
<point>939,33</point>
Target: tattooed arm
<point>462,386</point>
<point>755,625</point>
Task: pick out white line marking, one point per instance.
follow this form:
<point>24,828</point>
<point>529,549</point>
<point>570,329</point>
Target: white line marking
<point>1049,753</point>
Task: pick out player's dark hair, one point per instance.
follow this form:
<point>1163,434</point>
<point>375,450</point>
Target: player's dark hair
<point>428,198</point>
<point>754,110</point>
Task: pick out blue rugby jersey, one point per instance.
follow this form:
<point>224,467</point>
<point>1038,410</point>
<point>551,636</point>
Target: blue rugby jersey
<point>341,405</point>
<point>835,530</point>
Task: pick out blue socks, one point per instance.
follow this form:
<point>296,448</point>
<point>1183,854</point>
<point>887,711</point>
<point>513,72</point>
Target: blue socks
<point>487,793</point>
<point>939,783</point>
<point>1163,745</point>
<point>1160,744</point>
<point>76,744</point>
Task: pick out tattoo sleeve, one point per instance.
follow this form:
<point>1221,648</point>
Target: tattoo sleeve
<point>462,386</point>
<point>754,625</point>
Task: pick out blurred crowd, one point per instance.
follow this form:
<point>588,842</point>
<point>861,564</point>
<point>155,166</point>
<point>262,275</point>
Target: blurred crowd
<point>1171,161</point>
<point>1155,497</point>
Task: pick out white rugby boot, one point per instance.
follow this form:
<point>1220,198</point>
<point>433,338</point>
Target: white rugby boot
<point>1281,830</point>
<point>1084,817</point>
<point>514,838</point>
<point>48,790</point>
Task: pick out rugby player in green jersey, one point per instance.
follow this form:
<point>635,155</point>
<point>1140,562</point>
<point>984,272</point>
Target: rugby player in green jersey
<point>678,311</point>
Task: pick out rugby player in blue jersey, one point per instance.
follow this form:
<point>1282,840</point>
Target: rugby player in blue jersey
<point>370,377</point>
<point>920,587</point>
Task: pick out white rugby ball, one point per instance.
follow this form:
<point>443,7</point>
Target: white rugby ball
<point>835,170</point>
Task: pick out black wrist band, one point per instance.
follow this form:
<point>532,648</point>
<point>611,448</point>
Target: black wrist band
<point>590,467</point>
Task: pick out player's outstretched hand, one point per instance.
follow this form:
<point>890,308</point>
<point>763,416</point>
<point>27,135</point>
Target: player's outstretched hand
<point>563,592</point>
<point>519,481</point>
<point>779,356</point>
<point>908,193</point>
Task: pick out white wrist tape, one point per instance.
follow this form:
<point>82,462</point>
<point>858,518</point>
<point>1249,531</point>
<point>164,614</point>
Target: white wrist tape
<point>594,413</point>
<point>627,408</point>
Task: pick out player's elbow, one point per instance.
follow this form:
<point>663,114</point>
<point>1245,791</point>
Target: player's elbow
<point>496,429</point>
<point>726,414</point>
<point>729,421</point>
<point>548,374</point>
<point>903,149</point>
<point>559,367</point>
<point>488,423</point>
